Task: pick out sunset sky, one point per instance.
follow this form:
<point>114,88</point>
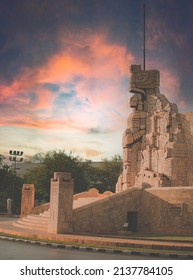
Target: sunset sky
<point>64,69</point>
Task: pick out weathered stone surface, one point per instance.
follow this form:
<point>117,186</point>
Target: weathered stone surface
<point>157,138</point>
<point>158,210</point>
<point>61,203</point>
<point>27,199</point>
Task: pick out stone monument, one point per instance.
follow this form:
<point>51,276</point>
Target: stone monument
<point>61,203</point>
<point>157,146</point>
<point>155,189</point>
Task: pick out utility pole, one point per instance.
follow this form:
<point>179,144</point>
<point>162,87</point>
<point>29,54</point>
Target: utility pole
<point>15,156</point>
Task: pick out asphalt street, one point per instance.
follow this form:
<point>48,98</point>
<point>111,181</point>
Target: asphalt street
<point>13,250</point>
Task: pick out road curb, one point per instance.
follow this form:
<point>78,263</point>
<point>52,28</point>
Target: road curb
<point>101,250</point>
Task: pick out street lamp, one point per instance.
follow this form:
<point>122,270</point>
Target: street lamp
<point>15,156</point>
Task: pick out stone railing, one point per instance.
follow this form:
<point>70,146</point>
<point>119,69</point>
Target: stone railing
<point>41,208</point>
<point>93,192</point>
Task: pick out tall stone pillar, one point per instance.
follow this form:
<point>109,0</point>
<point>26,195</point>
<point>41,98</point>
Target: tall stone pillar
<point>61,203</point>
<point>27,199</point>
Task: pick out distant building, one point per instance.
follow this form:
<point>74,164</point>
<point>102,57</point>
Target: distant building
<point>23,167</point>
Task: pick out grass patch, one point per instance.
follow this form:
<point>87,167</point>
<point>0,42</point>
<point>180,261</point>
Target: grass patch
<point>87,246</point>
<point>154,237</point>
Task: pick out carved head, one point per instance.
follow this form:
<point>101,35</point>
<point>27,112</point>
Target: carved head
<point>142,80</point>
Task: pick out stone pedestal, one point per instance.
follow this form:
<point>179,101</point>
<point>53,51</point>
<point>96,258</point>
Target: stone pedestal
<point>27,199</point>
<point>61,203</point>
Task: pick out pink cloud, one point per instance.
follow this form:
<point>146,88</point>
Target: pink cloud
<point>94,57</point>
<point>170,81</point>
<point>100,67</point>
<point>170,84</point>
<point>45,99</point>
<point>88,153</point>
<point>30,122</point>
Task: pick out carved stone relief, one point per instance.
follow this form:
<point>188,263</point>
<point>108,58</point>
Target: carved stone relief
<point>155,139</point>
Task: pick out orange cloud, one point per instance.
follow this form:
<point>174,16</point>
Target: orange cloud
<point>170,83</point>
<point>94,57</point>
<point>92,153</point>
<point>88,153</point>
<point>95,67</point>
<point>30,122</point>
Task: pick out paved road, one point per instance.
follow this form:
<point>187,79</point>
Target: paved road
<point>12,250</point>
<point>6,218</point>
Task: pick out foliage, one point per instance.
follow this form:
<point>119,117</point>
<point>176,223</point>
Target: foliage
<point>56,161</point>
<point>104,176</point>
<point>85,174</point>
<point>10,187</point>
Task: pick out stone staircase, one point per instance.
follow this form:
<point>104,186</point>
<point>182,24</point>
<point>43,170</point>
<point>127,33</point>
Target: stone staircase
<point>39,222</point>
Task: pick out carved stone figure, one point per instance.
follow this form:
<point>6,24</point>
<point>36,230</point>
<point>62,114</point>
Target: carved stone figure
<point>157,149</point>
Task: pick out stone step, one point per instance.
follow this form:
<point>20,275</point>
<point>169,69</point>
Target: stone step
<point>35,224</point>
<point>35,220</point>
<point>32,217</point>
<point>40,221</point>
<point>45,214</point>
<point>30,227</point>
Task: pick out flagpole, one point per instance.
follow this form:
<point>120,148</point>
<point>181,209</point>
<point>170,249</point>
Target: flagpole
<point>144,37</point>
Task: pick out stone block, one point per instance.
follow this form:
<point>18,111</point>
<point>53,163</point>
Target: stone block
<point>27,199</point>
<point>61,203</point>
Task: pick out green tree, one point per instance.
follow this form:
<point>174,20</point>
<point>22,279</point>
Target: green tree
<point>104,177</point>
<point>10,187</point>
<point>56,161</point>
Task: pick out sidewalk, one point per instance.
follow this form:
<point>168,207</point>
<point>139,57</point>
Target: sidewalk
<point>123,244</point>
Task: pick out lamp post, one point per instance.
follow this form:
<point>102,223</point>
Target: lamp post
<point>15,156</point>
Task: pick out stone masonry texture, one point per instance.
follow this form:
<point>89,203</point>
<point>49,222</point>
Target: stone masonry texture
<point>158,141</point>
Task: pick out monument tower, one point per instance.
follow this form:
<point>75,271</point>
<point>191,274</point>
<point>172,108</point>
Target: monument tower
<point>157,144</point>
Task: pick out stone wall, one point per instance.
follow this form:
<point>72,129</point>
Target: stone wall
<point>167,210</point>
<point>108,214</point>
<point>159,210</point>
<point>91,193</point>
<point>40,208</point>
